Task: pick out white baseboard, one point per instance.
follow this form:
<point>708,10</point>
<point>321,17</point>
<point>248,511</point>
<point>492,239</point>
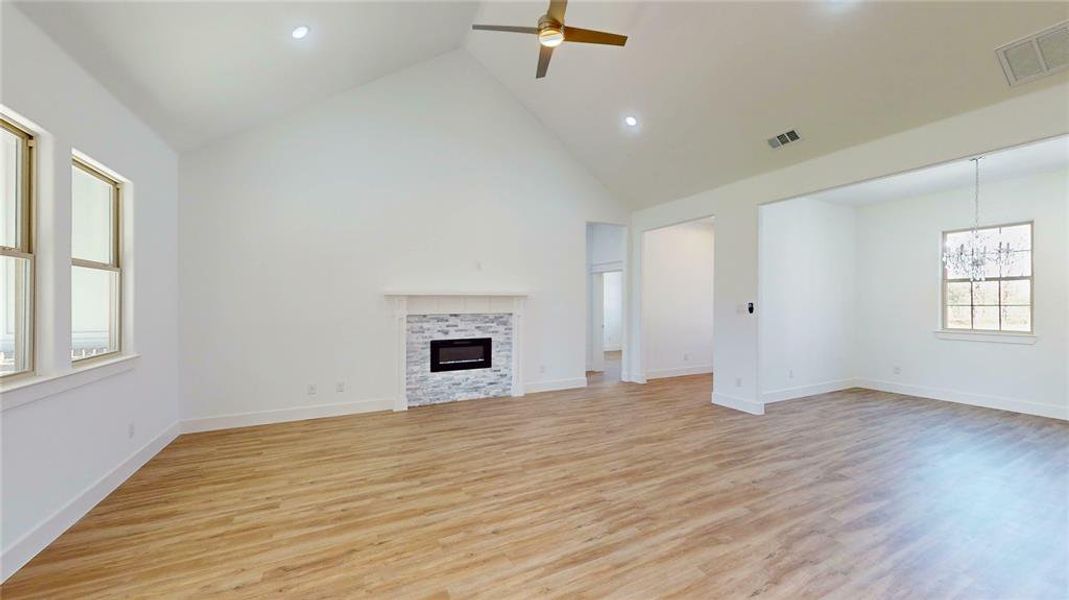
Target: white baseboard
<point>746,406</point>
<point>803,391</point>
<point>283,415</point>
<point>679,371</point>
<point>552,385</point>
<point>997,402</point>
<point>25,548</point>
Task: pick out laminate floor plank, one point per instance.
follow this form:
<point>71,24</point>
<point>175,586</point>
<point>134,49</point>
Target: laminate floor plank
<point>613,491</point>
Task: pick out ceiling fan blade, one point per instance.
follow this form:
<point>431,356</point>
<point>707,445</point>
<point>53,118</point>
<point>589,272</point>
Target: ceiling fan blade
<point>556,10</point>
<point>506,28</point>
<point>544,54</point>
<point>589,36</point>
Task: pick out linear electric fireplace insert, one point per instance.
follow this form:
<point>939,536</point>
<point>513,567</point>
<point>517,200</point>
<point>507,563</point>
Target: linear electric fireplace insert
<point>460,355</point>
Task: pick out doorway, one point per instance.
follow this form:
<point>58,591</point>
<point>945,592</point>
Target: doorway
<point>606,245</point>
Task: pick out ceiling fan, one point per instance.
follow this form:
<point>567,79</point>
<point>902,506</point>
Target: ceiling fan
<point>552,32</point>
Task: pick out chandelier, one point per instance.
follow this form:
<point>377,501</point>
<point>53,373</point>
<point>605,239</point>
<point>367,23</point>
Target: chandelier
<point>978,253</point>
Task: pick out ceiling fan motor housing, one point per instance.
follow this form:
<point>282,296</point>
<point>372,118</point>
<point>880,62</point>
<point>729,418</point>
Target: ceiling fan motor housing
<point>548,22</point>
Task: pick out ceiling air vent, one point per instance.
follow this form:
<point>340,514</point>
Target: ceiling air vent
<point>783,138</point>
<point>1036,56</point>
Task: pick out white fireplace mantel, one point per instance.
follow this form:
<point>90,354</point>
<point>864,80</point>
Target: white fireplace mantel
<point>441,302</point>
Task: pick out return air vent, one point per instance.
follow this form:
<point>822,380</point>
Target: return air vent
<point>1036,56</point>
<point>783,138</point>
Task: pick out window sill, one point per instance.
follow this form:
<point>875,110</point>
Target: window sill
<point>991,337</point>
<point>23,390</point>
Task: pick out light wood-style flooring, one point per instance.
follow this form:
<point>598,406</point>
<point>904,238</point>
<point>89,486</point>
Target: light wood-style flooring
<point>621,491</point>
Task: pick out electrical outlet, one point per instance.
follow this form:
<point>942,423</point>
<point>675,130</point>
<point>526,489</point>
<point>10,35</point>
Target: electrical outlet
<point>312,390</point>
<point>339,387</point>
<point>897,370</point>
<point>541,368</point>
<point>131,430</point>
<point>686,357</point>
<point>790,373</point>
<point>738,382</point>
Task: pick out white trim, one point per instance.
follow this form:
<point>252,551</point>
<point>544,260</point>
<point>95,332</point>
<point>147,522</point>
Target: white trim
<point>1027,407</point>
<point>456,293</point>
<point>552,385</point>
<point>285,415</point>
<point>607,267</point>
<point>804,391</point>
<point>25,390</point>
<point>26,547</point>
<point>679,371</point>
<point>992,337</point>
<point>740,404</point>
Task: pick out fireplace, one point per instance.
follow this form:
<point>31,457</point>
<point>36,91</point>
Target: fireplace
<point>460,355</point>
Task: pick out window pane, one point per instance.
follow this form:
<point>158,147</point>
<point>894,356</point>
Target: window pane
<point>957,238</point>
<point>953,242</point>
<point>1016,318</point>
<point>91,217</point>
<point>1020,265</point>
<point>10,184</point>
<point>1017,291</point>
<point>985,292</point>
<point>1018,237</point>
<point>989,238</point>
<point>94,312</point>
<point>958,293</point>
<point>985,317</point>
<point>15,316</point>
<point>959,317</point>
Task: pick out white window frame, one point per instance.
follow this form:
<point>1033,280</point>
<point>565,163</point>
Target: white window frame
<point>115,265</point>
<point>945,308</point>
<point>26,242</point>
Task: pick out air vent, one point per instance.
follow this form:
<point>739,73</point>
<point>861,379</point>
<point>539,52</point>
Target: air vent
<point>1036,56</point>
<point>783,138</point>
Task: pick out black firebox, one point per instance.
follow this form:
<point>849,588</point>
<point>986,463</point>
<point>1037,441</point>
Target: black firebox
<point>460,355</point>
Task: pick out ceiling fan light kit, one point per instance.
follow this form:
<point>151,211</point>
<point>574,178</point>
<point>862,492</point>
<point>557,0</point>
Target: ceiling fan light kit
<point>552,32</point>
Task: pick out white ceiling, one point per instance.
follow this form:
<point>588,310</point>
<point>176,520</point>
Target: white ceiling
<point>709,81</point>
<point>1039,157</point>
<point>197,71</point>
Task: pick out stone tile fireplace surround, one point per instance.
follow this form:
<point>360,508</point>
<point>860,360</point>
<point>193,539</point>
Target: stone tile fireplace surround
<point>422,317</point>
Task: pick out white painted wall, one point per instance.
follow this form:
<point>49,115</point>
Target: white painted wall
<point>899,299</point>
<point>607,245</point>
<point>849,295</point>
<point>62,453</point>
<point>677,263</point>
<point>432,178</point>
<point>807,298</point>
<point>1024,118</point>
<point>613,303</point>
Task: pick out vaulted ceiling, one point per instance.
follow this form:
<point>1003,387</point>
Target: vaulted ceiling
<point>197,71</point>
<point>711,82</point>
<point>708,82</point>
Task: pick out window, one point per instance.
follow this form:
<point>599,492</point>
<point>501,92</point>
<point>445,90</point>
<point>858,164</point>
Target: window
<point>16,251</point>
<point>1003,300</point>
<point>96,275</point>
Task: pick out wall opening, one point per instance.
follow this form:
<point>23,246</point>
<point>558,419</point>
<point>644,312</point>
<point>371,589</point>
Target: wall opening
<point>677,299</point>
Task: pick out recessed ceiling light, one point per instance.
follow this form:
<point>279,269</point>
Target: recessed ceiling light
<point>299,32</point>
<point>630,121</point>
